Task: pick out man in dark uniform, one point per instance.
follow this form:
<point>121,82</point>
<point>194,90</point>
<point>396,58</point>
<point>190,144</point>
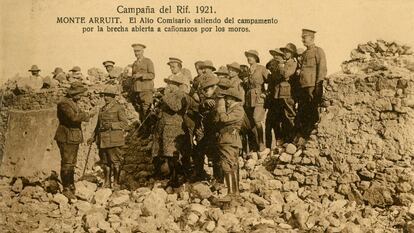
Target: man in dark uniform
<point>143,85</point>
<point>69,135</point>
<point>313,72</point>
<point>109,135</point>
<point>255,97</point>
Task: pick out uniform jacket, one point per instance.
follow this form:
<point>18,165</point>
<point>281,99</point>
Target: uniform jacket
<point>112,122</point>
<point>283,88</point>
<point>143,71</point>
<point>229,122</point>
<point>70,118</point>
<point>256,87</point>
<point>313,66</point>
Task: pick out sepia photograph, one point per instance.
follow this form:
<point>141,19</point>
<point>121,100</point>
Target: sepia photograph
<point>267,116</point>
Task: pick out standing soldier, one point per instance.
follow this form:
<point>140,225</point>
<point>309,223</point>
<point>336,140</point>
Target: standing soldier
<point>285,105</point>
<point>143,84</point>
<point>312,74</point>
<point>255,97</point>
<point>229,118</point>
<point>69,135</point>
<point>109,135</point>
<point>169,138</point>
<point>275,66</point>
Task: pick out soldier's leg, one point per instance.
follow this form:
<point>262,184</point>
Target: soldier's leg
<point>137,102</point>
<point>69,153</point>
<point>269,126</point>
<point>173,166</point>
<point>104,161</point>
<point>309,111</point>
<point>115,158</point>
<point>229,164</point>
<point>252,133</point>
<point>258,116</point>
<point>288,119</point>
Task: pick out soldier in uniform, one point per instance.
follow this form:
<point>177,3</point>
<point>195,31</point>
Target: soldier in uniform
<point>109,135</point>
<point>222,72</point>
<point>275,66</point>
<point>143,84</point>
<point>69,135</point>
<point>255,97</point>
<point>285,105</point>
<point>169,138</point>
<point>34,70</point>
<point>229,118</point>
<point>205,132</point>
<point>313,72</point>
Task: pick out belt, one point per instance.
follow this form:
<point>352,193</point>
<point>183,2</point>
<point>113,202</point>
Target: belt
<point>230,130</point>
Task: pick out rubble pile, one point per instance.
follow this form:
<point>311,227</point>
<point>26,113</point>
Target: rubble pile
<point>355,173</point>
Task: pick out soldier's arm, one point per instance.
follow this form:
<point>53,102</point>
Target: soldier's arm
<point>122,120</point>
<point>321,65</point>
<point>69,112</point>
<point>231,117</point>
<point>150,74</point>
<point>289,69</point>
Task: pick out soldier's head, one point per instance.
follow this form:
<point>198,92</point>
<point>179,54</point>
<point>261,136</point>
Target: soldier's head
<point>234,69</point>
<point>289,51</point>
<point>138,50</point>
<point>231,96</point>
<point>222,72</point>
<point>207,67</point>
<point>34,70</point>
<point>198,68</point>
<point>252,56</point>
<point>109,93</point>
<point>175,65</point>
<point>208,84</point>
<point>109,65</point>
<point>308,37</point>
<point>76,91</point>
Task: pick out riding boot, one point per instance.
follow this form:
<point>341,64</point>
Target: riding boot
<point>217,172</point>
<point>172,164</point>
<point>107,176</point>
<point>68,184</point>
<point>116,171</point>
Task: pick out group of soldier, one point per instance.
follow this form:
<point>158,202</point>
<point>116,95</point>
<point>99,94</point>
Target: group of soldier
<point>218,114</point>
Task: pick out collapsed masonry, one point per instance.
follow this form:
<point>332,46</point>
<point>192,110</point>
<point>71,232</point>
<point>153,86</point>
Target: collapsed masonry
<point>356,171</point>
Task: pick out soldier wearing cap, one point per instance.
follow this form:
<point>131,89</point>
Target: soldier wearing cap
<point>205,132</point>
<point>75,74</point>
<point>69,135</point>
<point>207,67</point>
<point>222,72</point>
<point>176,67</point>
<point>313,72</point>
<point>197,79</point>
<point>34,70</point>
<point>109,135</point>
<point>229,118</point>
<point>284,103</point>
<point>59,75</point>
<point>169,138</point>
<point>143,86</point>
<point>255,97</point>
<point>275,66</point>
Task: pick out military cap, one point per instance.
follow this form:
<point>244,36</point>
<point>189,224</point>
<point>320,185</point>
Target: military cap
<point>108,63</point>
<point>34,68</point>
<point>110,90</point>
<point>208,80</point>
<point>177,79</point>
<point>290,47</point>
<point>138,46</point>
<point>276,52</point>
<point>208,64</point>
<point>222,71</point>
<point>57,70</point>
<point>174,60</point>
<point>308,32</point>
<point>76,88</point>
<point>235,66</point>
<point>233,92</point>
<point>75,69</point>
<point>253,53</point>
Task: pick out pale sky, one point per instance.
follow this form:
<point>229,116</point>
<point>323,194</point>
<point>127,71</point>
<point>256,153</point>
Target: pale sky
<point>30,34</point>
